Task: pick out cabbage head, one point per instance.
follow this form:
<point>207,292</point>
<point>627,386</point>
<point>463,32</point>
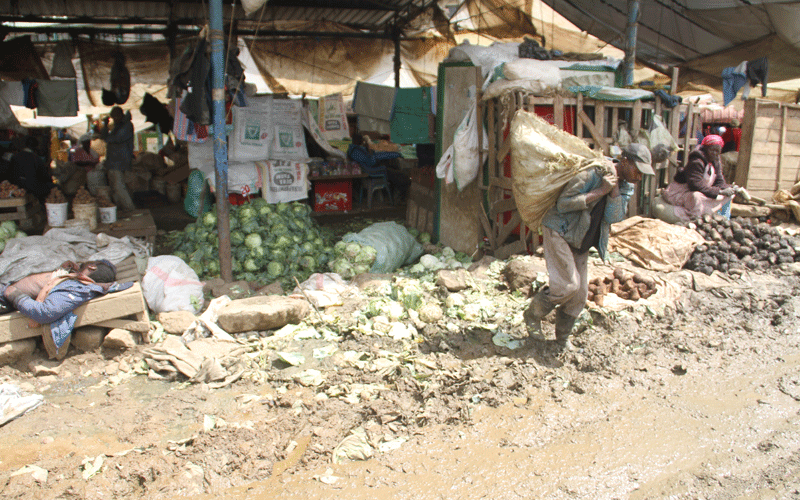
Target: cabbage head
<point>210,220</point>
<point>361,268</point>
<point>275,269</point>
<point>339,247</point>
<point>424,238</point>
<point>366,255</point>
<point>343,268</point>
<point>252,241</point>
<point>237,238</point>
<point>307,262</point>
<point>448,253</point>
<point>250,265</point>
<point>352,250</point>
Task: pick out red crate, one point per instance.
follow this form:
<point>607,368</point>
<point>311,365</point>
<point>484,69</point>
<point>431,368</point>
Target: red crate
<point>333,196</point>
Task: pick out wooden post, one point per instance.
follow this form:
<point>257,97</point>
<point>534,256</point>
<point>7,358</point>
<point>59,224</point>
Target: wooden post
<point>578,111</point>
<point>600,120</point>
<point>614,120</point>
<point>636,118</point>
<point>558,111</point>
<point>687,145</point>
<point>781,148</point>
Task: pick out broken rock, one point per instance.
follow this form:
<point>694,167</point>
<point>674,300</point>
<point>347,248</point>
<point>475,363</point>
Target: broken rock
<point>88,338</point>
<point>176,322</point>
<point>119,339</point>
<point>11,352</point>
<point>262,313</point>
<point>520,273</point>
<point>454,281</point>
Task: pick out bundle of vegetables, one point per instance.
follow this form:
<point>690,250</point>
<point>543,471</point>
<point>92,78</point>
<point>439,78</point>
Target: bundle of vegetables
<point>352,258</point>
<point>624,285</point>
<point>8,231</point>
<point>446,258</point>
<point>739,243</point>
<point>268,243</point>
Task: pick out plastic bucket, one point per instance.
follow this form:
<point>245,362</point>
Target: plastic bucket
<point>87,212</point>
<point>108,214</point>
<point>56,214</point>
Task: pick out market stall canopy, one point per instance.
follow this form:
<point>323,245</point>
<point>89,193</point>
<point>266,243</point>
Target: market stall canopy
<point>701,37</point>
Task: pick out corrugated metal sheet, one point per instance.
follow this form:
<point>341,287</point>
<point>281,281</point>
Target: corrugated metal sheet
<point>375,16</point>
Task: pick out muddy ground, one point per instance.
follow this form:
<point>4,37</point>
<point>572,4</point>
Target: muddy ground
<point>690,394</point>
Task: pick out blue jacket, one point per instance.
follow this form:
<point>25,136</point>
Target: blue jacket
<point>570,216</point>
<point>57,307</point>
<point>368,159</point>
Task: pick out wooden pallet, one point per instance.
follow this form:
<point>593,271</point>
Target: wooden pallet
<point>13,208</point>
<point>137,223</point>
<point>126,309</point>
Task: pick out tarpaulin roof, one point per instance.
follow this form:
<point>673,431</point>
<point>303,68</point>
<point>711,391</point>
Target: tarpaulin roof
<point>701,36</point>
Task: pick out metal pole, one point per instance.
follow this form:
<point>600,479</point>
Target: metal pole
<point>630,43</point>
<point>397,63</point>
<point>217,36</point>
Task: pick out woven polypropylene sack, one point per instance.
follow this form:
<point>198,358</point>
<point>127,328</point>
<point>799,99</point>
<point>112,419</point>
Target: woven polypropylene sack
<point>393,244</point>
<point>543,159</point>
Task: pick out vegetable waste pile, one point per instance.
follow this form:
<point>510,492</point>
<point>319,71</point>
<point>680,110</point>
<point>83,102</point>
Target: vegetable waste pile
<point>401,358</point>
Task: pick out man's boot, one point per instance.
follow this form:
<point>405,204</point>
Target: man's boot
<point>539,307</point>
<point>564,324</point>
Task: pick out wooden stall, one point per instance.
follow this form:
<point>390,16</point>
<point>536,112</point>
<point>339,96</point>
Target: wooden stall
<point>769,157</point>
<point>594,121</point>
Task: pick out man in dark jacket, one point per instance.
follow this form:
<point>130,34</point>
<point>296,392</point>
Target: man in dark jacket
<point>119,156</point>
<point>28,170</point>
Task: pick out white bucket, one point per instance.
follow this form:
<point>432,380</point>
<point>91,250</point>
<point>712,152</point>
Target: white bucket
<point>87,212</point>
<point>56,214</point>
<point>108,214</point>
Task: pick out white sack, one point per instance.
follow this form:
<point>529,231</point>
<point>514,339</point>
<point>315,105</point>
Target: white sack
<point>171,285</point>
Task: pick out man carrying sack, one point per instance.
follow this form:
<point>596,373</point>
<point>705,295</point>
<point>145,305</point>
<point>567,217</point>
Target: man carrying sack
<point>588,204</point>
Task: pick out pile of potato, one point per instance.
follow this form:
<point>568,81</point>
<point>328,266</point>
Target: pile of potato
<point>629,286</point>
<point>739,243</point>
<point>56,196</point>
<point>8,190</point>
<point>83,197</point>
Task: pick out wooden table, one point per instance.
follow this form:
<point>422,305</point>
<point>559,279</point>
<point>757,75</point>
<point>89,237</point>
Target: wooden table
<point>136,223</point>
<point>334,193</point>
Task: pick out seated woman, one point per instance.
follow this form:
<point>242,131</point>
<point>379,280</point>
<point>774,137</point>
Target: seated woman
<point>374,163</point>
<point>699,188</point>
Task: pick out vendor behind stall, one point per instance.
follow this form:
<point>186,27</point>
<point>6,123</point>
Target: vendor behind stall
<point>27,170</point>
<point>376,163</point>
<point>119,155</point>
<point>82,154</point>
<point>699,187</point>
<point>50,298</point>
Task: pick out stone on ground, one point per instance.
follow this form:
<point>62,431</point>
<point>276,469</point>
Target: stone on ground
<point>262,313</point>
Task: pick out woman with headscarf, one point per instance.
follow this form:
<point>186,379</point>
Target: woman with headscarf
<point>699,187</point>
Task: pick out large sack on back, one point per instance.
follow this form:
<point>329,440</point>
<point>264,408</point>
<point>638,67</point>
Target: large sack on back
<point>543,159</point>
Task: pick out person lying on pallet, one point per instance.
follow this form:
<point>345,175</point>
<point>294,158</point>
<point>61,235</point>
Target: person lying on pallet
<point>51,297</point>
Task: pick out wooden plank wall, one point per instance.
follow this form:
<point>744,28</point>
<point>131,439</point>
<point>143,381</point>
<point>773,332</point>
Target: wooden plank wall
<point>769,157</point>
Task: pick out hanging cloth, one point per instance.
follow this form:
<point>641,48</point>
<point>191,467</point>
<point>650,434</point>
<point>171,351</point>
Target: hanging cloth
<point>120,82</point>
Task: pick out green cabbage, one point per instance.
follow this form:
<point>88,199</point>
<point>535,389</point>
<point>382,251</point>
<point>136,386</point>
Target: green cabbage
<point>252,241</point>
<point>275,269</point>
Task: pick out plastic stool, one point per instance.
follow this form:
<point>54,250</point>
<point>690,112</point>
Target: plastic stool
<point>373,184</point>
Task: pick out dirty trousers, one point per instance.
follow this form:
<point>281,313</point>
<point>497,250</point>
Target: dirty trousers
<point>569,280</point>
<point>116,179</point>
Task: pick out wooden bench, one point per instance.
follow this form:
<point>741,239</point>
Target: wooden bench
<point>125,309</point>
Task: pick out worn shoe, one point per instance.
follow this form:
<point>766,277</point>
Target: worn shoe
<point>564,325</point>
<point>539,307</point>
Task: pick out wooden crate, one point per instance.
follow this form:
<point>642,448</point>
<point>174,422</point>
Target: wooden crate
<point>769,157</point>
<point>126,309</point>
<point>14,208</point>
<point>137,223</point>
<point>421,208</point>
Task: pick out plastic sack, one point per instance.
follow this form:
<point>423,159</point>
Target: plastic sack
<point>466,148</point>
<point>444,169</point>
<point>171,285</point>
<point>395,246</point>
<point>193,192</point>
<point>543,159</point>
<point>662,144</point>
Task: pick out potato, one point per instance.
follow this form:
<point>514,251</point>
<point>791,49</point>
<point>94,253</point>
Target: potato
<point>650,282</point>
<point>619,274</point>
<point>601,289</point>
<point>637,278</point>
<point>607,280</point>
<point>623,295</point>
<point>595,281</point>
<point>615,286</point>
<point>599,300</point>
<point>590,296</point>
<point>592,288</point>
<point>634,294</point>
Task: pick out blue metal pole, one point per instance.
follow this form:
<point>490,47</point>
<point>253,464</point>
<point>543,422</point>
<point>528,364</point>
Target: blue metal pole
<point>217,36</point>
<point>630,43</point>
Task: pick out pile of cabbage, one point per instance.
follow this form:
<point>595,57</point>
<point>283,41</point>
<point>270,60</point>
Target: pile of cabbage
<point>351,259</point>
<point>269,242</point>
<point>8,231</point>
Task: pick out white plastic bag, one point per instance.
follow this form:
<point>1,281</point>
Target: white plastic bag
<point>444,169</point>
<point>466,148</point>
<point>171,285</point>
<point>662,144</point>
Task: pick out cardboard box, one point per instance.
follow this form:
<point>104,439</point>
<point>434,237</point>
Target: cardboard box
<point>333,196</point>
